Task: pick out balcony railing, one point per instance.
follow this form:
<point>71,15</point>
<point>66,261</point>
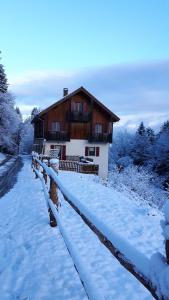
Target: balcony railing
<point>100,138</point>
<point>75,116</point>
<point>62,136</point>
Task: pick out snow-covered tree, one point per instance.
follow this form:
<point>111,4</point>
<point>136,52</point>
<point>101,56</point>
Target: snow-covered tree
<point>151,135</point>
<point>27,136</point>
<point>9,118</point>
<point>121,147</point>
<point>35,111</point>
<point>161,163</point>
<point>141,146</point>
<point>18,112</point>
<point>9,124</point>
<point>3,80</point>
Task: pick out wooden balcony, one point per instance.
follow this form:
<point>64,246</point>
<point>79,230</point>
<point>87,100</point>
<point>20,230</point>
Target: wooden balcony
<point>61,136</point>
<point>75,116</point>
<point>100,138</point>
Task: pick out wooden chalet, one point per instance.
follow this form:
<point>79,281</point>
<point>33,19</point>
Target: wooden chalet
<point>75,127</point>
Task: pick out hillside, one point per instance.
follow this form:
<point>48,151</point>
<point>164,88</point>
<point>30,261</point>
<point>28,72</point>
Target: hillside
<point>36,263</point>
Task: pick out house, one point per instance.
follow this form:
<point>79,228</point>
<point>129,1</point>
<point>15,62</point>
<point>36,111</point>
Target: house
<point>78,125</point>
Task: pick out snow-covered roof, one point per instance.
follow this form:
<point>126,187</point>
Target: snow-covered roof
<point>114,117</point>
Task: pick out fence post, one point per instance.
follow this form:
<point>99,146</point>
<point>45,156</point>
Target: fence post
<point>37,166</point>
<point>53,192</point>
<point>165,228</point>
<point>45,176</point>
<point>167,250</point>
<point>54,163</point>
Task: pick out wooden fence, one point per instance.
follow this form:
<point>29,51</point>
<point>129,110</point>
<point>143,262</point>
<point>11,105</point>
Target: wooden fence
<point>76,166</point>
<point>50,174</point>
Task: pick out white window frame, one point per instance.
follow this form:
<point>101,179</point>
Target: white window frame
<point>94,151</point>
<point>56,126</point>
<point>98,128</point>
<point>78,107</point>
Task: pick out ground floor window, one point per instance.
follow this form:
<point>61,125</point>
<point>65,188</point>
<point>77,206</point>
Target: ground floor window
<point>58,151</point>
<point>92,151</point>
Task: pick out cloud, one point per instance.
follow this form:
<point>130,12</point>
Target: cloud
<point>132,91</point>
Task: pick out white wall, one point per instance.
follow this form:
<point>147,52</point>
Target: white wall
<point>77,147</point>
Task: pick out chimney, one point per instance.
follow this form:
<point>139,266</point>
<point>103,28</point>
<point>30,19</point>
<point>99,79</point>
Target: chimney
<point>65,92</point>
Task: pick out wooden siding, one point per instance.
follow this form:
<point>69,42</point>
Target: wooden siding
<point>76,129</point>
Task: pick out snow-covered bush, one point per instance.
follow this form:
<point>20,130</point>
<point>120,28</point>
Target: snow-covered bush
<point>139,183</point>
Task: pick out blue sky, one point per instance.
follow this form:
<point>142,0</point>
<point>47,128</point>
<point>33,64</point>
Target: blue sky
<point>58,40</point>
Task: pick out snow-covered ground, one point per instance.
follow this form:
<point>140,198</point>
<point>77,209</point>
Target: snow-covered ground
<point>7,165</point>
<point>35,262</point>
<point>2,157</point>
<point>139,224</point>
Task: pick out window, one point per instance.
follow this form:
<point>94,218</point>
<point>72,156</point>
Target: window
<point>58,151</point>
<point>78,106</point>
<point>56,126</point>
<point>92,151</point>
<point>98,128</point>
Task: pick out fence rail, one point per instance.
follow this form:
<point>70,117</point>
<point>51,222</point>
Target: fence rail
<point>126,260</point>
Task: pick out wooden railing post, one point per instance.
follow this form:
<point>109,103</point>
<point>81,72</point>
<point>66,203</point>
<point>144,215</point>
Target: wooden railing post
<point>45,176</point>
<point>37,166</point>
<point>53,192</point>
<point>165,228</point>
<point>167,250</point>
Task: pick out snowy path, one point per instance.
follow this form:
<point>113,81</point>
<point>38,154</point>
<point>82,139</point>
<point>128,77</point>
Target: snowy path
<point>34,265</point>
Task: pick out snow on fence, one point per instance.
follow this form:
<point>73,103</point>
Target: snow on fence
<point>72,164</point>
<point>153,273</point>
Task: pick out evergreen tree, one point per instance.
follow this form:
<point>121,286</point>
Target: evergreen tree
<point>161,164</point>
<point>18,112</point>
<point>140,150</point>
<point>3,80</point>
<point>164,127</point>
<point>141,129</point>
<point>35,111</point>
<point>27,137</point>
<point>9,118</point>
<point>150,134</point>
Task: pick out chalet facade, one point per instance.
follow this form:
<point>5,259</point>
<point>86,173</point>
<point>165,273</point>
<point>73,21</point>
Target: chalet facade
<point>78,125</point>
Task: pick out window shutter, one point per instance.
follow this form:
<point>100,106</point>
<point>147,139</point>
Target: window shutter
<point>97,151</point>
<point>86,151</point>
<point>64,152</point>
<point>51,146</point>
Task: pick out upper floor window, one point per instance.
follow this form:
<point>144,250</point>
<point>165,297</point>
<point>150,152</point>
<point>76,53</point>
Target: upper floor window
<point>98,128</point>
<point>78,106</point>
<point>56,126</point>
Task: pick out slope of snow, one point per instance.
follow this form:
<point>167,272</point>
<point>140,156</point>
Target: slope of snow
<point>35,263</point>
<point>140,225</point>
<point>2,157</point>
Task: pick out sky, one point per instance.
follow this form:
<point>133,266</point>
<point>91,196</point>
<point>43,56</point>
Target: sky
<point>118,50</point>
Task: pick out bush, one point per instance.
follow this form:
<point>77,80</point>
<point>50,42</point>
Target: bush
<point>138,183</point>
